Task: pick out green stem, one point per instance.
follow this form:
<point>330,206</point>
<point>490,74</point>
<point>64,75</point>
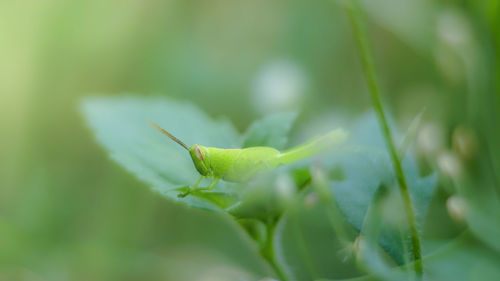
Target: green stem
<point>495,25</point>
<point>369,72</point>
<point>267,251</point>
<point>302,247</point>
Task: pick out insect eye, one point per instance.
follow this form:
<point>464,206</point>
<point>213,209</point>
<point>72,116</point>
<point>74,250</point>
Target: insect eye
<point>199,153</point>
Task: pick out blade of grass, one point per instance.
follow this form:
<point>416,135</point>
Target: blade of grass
<point>494,9</point>
<point>411,134</point>
<point>370,75</point>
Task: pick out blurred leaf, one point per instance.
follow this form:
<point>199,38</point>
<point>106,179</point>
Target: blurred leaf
<point>366,166</point>
<point>267,195</point>
<point>411,20</point>
<point>355,172</point>
<point>121,127</point>
<point>482,211</point>
<point>270,131</point>
<point>255,229</point>
<point>369,255</point>
<point>308,244</point>
<point>463,259</point>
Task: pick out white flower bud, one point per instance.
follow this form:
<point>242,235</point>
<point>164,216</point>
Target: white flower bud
<point>430,139</point>
<point>449,164</point>
<point>454,28</point>
<point>457,208</point>
<point>285,188</point>
<point>280,85</point>
<point>465,142</point>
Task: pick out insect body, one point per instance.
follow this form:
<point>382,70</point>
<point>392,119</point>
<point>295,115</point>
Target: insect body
<point>240,165</point>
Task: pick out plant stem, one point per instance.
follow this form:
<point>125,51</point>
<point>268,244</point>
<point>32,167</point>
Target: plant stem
<point>267,251</point>
<point>370,76</point>
<point>302,247</point>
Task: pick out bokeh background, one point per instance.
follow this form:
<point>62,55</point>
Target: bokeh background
<point>69,213</point>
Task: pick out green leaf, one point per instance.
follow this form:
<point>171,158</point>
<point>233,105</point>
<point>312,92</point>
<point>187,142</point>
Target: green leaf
<point>482,209</point>
<point>121,127</point>
<point>270,131</point>
<point>365,170</point>
<point>408,25</point>
<point>307,243</point>
<point>366,166</point>
<point>368,253</point>
<point>267,195</point>
<point>463,259</point>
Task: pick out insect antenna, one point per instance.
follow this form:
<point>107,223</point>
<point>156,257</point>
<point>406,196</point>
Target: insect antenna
<point>168,135</point>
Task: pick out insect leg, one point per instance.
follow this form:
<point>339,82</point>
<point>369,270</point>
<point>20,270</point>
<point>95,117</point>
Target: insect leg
<point>198,182</point>
<point>213,184</point>
<point>194,187</point>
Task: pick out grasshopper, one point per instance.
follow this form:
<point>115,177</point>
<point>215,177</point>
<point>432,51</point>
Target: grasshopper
<point>240,165</point>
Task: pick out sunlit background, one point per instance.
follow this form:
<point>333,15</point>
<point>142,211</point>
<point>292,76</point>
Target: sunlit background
<point>69,213</point>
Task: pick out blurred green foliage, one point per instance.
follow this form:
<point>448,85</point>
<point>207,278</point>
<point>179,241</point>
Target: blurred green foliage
<point>68,213</point>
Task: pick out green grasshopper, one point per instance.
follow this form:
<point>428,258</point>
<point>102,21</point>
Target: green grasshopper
<point>240,165</point>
